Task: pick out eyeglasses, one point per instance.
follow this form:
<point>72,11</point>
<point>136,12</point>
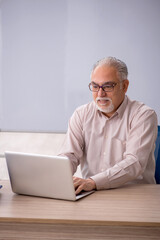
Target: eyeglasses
<point>107,87</point>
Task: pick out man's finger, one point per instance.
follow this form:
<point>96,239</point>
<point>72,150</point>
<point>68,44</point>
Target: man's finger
<point>77,181</point>
<point>79,189</point>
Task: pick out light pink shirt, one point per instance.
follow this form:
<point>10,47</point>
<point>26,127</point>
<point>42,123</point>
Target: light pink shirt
<point>116,150</point>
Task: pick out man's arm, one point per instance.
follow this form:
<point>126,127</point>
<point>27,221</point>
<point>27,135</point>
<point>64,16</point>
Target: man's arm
<point>74,143</point>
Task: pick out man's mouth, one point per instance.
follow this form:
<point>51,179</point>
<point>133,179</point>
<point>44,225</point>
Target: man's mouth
<point>103,102</point>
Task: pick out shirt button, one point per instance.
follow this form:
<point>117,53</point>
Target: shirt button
<point>104,153</point>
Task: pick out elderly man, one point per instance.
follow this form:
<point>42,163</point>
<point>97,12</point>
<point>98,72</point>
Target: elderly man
<point>112,137</point>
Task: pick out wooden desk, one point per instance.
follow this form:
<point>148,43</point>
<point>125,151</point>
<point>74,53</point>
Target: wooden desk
<point>129,212</point>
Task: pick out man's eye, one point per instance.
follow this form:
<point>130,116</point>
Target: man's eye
<point>95,86</point>
<point>108,86</point>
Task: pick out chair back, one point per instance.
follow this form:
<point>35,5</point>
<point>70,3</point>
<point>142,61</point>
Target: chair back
<point>157,157</point>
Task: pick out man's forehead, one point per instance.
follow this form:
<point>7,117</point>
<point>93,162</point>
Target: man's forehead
<point>106,82</point>
<point>104,77</point>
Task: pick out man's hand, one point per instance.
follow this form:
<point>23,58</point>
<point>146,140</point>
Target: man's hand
<point>83,184</point>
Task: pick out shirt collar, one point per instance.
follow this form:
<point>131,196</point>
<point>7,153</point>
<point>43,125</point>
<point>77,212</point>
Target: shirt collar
<point>122,107</point>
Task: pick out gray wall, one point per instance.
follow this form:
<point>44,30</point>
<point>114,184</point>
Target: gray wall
<point>49,46</point>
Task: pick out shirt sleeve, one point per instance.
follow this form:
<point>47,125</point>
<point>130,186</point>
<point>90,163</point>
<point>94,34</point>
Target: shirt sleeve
<point>73,143</point>
<point>139,145</point>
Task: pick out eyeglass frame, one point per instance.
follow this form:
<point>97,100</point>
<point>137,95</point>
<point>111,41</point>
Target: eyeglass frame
<point>102,86</point>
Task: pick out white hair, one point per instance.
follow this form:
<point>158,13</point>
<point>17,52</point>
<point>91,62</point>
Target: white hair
<point>119,65</point>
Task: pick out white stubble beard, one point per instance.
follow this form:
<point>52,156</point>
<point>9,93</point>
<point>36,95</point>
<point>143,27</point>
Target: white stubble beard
<point>107,109</point>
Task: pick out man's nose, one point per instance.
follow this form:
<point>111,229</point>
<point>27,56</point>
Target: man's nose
<point>101,93</point>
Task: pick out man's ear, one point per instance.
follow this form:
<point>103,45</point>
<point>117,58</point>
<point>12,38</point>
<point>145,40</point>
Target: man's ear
<point>125,85</point>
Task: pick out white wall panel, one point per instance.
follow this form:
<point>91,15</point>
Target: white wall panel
<point>49,47</point>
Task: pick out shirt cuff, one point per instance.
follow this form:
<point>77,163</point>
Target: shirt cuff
<point>101,181</point>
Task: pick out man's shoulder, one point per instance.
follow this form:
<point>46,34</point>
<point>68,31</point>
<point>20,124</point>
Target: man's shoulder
<point>137,108</point>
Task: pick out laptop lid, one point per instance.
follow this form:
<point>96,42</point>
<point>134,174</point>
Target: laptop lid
<point>41,175</point>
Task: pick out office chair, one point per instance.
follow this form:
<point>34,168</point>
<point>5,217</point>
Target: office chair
<point>157,157</point>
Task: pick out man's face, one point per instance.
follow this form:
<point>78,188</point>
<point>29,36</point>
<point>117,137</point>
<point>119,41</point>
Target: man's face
<point>103,75</point>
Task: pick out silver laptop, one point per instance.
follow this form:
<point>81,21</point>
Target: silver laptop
<point>41,175</point>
